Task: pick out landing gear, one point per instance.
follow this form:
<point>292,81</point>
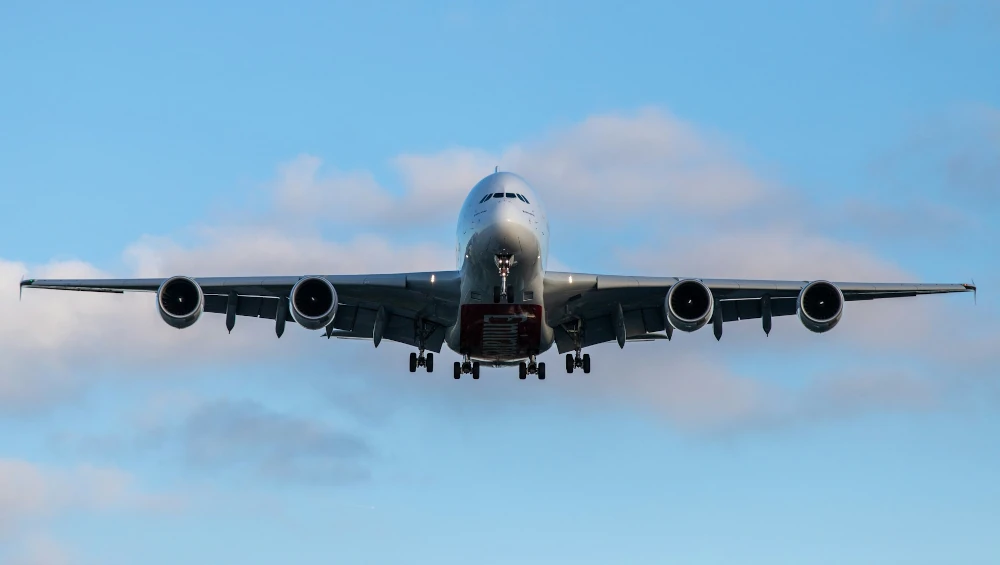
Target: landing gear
<point>504,261</point>
<point>467,367</point>
<point>421,360</point>
<point>524,369</point>
<point>499,296</point>
<point>578,362</point>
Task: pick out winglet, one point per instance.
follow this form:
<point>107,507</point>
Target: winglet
<point>972,287</point>
<point>24,283</point>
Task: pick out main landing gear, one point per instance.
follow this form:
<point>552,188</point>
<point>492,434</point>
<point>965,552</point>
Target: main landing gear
<point>578,362</point>
<point>467,367</point>
<point>531,367</point>
<point>421,361</point>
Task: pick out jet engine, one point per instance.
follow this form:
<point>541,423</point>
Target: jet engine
<point>314,302</point>
<point>689,305</point>
<point>820,306</point>
<point>180,302</point>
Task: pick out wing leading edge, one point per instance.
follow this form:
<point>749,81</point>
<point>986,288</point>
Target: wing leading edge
<point>408,307</point>
<point>599,308</point>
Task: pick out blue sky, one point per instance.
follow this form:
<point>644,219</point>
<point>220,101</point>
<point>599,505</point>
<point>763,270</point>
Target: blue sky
<point>849,140</point>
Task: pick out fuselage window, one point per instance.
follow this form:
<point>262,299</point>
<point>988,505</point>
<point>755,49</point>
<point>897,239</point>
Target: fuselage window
<point>485,198</point>
<point>511,195</point>
<point>498,195</point>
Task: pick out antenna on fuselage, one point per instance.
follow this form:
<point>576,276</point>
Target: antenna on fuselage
<point>496,169</point>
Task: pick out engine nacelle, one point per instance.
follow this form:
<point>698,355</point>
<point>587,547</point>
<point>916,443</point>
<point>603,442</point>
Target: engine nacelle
<point>313,302</point>
<point>180,302</point>
<point>689,305</point>
<point>820,305</point>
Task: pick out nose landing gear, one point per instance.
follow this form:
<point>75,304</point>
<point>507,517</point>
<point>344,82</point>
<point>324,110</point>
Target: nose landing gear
<point>504,261</point>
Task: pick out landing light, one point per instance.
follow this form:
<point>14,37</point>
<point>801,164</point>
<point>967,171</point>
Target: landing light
<point>432,278</point>
<point>571,279</point>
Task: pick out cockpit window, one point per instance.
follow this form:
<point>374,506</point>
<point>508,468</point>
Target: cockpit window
<point>498,195</point>
<point>511,195</point>
<point>485,198</point>
<point>524,199</point>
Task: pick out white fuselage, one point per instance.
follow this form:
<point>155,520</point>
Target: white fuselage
<point>510,221</point>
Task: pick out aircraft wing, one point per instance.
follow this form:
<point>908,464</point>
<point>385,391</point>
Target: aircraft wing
<point>405,304</point>
<point>624,308</point>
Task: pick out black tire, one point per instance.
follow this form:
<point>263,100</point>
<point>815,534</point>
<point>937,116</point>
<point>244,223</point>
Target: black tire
<point>475,370</point>
<point>586,363</point>
<point>510,295</point>
<point>570,364</point>
<point>496,295</point>
<point>413,362</point>
<point>430,363</point>
<point>458,370</point>
<point>541,371</point>
<point>522,371</point>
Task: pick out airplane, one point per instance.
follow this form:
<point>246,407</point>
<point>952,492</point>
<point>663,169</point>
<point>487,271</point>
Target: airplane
<point>501,307</point>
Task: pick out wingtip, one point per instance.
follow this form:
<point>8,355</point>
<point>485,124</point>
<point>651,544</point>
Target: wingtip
<point>975,292</point>
<point>20,288</point>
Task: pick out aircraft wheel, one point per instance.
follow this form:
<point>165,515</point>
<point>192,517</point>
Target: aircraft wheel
<point>413,362</point>
<point>541,371</point>
<point>430,363</point>
<point>458,370</point>
<point>522,371</point>
<point>570,364</point>
<point>586,363</point>
<point>496,295</point>
<point>475,370</point>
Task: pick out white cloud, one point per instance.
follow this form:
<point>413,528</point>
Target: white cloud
<point>30,492</point>
<point>608,166</point>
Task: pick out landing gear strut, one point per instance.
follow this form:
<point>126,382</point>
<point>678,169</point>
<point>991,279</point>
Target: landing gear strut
<point>575,331</point>
<point>504,261</point>
<point>578,362</point>
<point>421,331</point>
<point>531,367</point>
<point>425,361</point>
<point>466,367</point>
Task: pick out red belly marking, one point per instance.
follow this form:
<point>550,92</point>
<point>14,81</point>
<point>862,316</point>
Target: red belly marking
<point>501,331</point>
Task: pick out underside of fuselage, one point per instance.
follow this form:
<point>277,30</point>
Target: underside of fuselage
<point>502,248</point>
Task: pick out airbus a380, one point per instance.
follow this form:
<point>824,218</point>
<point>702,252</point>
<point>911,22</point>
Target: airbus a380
<point>501,307</point>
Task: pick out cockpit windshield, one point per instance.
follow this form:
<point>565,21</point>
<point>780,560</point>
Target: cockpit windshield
<point>511,195</point>
<point>498,195</point>
<point>525,200</point>
<point>485,198</point>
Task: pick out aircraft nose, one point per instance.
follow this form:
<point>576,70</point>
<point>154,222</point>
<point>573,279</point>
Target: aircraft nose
<point>507,211</point>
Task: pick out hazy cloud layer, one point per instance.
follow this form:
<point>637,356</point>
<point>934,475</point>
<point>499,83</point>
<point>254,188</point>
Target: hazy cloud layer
<point>276,446</point>
<point>242,437</point>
